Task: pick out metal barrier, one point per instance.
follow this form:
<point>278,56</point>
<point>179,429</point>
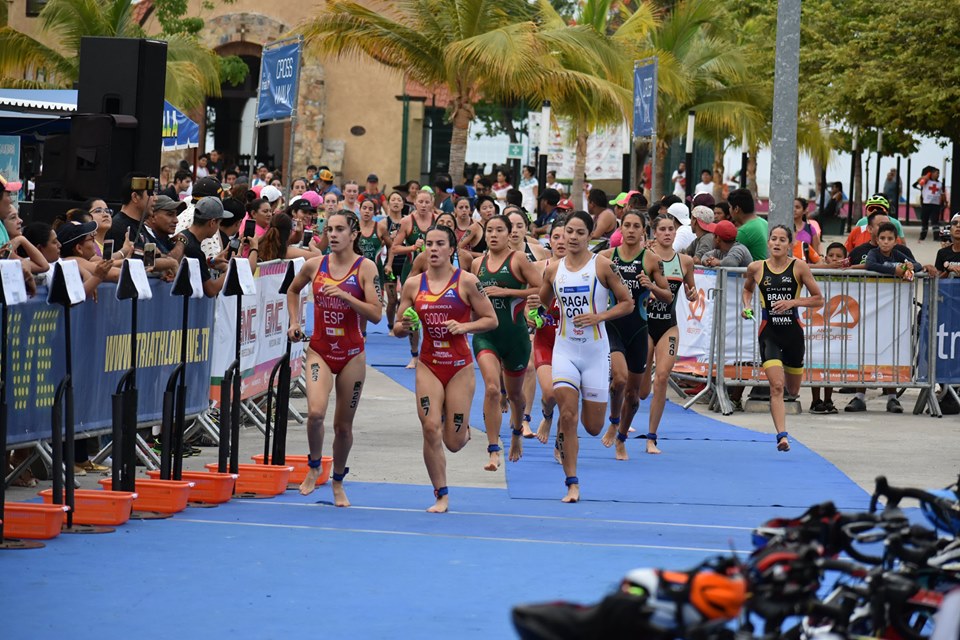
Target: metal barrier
<point>866,335</point>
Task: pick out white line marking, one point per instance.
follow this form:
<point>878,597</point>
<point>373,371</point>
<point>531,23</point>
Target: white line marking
<point>503,515</point>
<point>459,537</point>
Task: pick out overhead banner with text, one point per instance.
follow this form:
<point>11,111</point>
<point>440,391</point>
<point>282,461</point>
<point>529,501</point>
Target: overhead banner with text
<point>279,82</point>
<point>864,329</point>
<point>263,338</point>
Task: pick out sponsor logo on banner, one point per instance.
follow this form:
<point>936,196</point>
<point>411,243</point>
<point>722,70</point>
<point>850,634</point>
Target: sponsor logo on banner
<point>840,312</point>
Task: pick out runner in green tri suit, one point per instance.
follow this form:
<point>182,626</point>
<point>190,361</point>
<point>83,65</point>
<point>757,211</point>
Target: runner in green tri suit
<point>508,278</point>
<point>408,243</point>
<point>372,238</point>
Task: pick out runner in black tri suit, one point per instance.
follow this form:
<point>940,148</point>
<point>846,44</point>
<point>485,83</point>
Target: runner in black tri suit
<point>781,277</point>
<point>628,334</point>
<point>396,204</point>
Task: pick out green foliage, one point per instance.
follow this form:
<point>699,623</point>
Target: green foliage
<point>233,70</point>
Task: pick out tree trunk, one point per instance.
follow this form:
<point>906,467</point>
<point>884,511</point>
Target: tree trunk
<point>718,170</point>
<point>954,176</point>
<point>752,170</point>
<point>462,116</point>
<point>506,121</point>
<point>579,167</point>
<point>817,171</point>
<point>856,198</point>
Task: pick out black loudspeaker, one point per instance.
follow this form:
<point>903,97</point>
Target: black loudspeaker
<point>123,77</point>
<point>51,184</point>
<point>101,147</point>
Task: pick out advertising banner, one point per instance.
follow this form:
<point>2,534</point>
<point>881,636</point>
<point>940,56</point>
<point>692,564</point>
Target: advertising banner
<point>947,333</point>
<point>862,330</point>
<point>279,79</point>
<point>263,340</point>
<point>10,161</point>
<point>101,355</point>
<point>645,98</point>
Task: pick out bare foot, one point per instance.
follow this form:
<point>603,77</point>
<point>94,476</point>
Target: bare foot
<point>310,482</point>
<point>573,494</point>
<point>390,333</point>
<point>783,444</point>
<point>652,447</point>
<point>441,506</point>
<point>413,363</point>
<point>621,451</point>
<point>631,430</point>
<point>543,431</point>
<point>504,404</point>
<point>339,495</point>
<point>516,448</point>
<point>609,436</point>
<point>494,462</point>
<point>527,431</point>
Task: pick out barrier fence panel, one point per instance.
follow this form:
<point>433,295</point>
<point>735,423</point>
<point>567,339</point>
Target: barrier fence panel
<point>101,344</point>
<point>867,334</point>
<point>264,334</point>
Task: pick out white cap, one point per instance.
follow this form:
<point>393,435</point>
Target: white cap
<point>270,193</point>
<point>679,211</point>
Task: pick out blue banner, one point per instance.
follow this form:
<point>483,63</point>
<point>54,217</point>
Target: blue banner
<point>946,334</point>
<point>179,131</point>
<point>645,98</point>
<point>279,75</point>
<point>10,161</point>
<point>101,354</point>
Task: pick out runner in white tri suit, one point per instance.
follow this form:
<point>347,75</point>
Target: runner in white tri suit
<point>581,283</point>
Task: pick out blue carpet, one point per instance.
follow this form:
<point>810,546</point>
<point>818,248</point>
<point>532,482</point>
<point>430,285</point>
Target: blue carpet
<point>705,461</point>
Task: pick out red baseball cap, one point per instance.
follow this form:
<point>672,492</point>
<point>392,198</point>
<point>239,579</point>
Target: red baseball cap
<point>12,187</point>
<point>565,204</point>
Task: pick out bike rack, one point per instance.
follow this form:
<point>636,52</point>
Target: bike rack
<point>280,373</point>
<point>175,396</point>
<point>230,400</point>
<point>7,299</point>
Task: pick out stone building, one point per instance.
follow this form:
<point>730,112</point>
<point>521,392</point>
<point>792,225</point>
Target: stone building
<point>350,112</point>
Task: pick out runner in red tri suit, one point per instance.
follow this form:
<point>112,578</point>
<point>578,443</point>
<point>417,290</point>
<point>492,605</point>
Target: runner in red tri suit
<point>346,287</point>
<point>444,298</point>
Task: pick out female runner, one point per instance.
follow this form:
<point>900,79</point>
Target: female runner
<point>545,336</point>
<point>396,204</point>
<point>407,243</point>
<point>373,237</point>
<point>467,229</point>
<point>581,283</point>
<point>781,277</point>
<point>462,259</point>
<point>520,241</point>
<point>628,334</point>
<point>486,209</point>
<point>346,287</point>
<point>508,278</point>
<point>445,379</point>
<point>664,336</point>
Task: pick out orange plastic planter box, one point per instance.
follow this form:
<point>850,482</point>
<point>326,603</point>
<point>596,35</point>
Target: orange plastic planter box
<point>31,521</point>
<point>106,508</point>
<point>160,496</point>
<point>300,468</point>
<point>262,479</point>
<point>209,488</point>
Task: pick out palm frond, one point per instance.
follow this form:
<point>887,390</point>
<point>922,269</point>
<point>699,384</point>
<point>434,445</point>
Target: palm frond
<point>21,55</point>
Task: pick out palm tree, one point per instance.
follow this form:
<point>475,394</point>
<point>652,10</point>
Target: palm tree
<point>476,49</point>
<point>712,77</point>
<point>192,70</point>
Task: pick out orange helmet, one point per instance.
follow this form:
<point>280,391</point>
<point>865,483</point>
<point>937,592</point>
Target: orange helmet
<point>718,596</point>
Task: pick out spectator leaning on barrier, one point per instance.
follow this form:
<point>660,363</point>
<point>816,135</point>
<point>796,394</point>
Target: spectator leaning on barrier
<point>163,223</point>
<point>701,221</point>
<point>858,256</point>
<point>728,252</point>
<point>889,258</point>
<point>275,243</point>
<point>76,243</point>
<point>136,200</point>
<point>7,194</point>
<point>947,263</point>
<point>860,234</point>
<point>685,235</point>
<point>206,223</point>
<point>752,229</point>
<point>19,247</point>
<point>208,187</point>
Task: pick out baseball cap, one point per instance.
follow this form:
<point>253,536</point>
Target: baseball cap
<point>725,230</point>
<point>270,193</point>
<point>11,186</point>
<point>373,178</point>
<point>166,203</point>
<point>565,204</point>
<point>460,190</point>
<point>313,198</point>
<point>302,204</point>
<point>255,191</point>
<point>704,199</point>
<point>73,232</point>
<point>550,195</point>
<point>679,211</point>
<point>621,199</point>
<point>207,187</point>
<point>704,216</point>
<point>326,175</point>
<point>209,209</point>
<point>427,189</point>
<point>233,209</point>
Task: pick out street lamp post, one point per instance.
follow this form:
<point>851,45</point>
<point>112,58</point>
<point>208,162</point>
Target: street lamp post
<point>688,174</point>
<point>544,144</point>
